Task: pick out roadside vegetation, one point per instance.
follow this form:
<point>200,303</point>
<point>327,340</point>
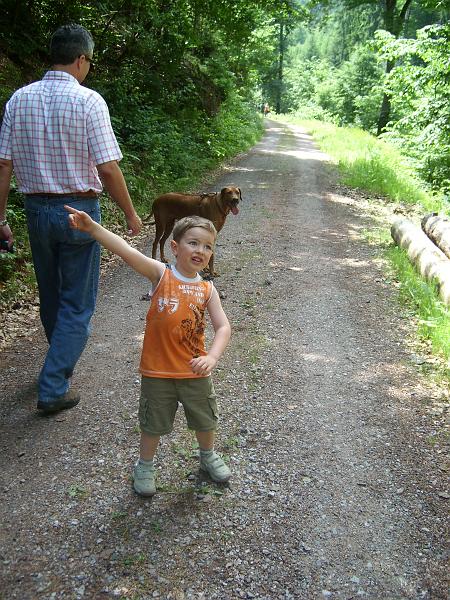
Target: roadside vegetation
<point>370,163</point>
<point>431,316</point>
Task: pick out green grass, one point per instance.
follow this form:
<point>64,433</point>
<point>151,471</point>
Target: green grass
<point>133,559</point>
<point>187,450</point>
<point>77,491</point>
<point>370,164</point>
<point>433,317</point>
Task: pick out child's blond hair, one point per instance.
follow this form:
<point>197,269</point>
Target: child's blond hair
<point>187,223</point>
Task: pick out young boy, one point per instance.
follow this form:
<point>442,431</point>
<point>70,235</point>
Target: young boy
<point>175,366</point>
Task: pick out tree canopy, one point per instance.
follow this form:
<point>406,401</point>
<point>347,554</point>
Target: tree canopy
<point>384,68</point>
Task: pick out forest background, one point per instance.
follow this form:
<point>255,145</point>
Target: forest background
<point>185,81</point>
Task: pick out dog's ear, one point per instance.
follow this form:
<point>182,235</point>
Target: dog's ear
<point>240,194</point>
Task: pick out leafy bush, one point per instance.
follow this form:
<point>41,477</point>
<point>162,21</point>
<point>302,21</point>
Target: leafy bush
<point>16,272</point>
<point>419,88</point>
<point>351,93</point>
<point>346,94</point>
<point>10,79</point>
<point>236,128</point>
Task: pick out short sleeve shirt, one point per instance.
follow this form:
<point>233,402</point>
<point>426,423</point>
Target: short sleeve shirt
<point>56,131</point>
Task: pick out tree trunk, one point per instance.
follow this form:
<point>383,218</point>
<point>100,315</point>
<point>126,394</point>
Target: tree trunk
<point>438,230</point>
<point>394,24</point>
<point>428,259</point>
<point>385,109</point>
<point>280,69</point>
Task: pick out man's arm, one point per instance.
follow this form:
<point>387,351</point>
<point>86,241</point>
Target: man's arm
<point>114,181</point>
<point>6,169</point>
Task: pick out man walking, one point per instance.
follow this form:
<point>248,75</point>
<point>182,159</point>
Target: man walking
<point>57,137</point>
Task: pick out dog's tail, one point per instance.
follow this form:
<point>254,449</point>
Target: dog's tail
<point>148,217</point>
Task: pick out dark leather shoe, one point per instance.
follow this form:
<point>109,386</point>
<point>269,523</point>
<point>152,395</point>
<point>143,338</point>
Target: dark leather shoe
<point>69,400</point>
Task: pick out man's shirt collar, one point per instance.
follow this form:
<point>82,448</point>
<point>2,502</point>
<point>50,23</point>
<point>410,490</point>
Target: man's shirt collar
<point>59,76</point>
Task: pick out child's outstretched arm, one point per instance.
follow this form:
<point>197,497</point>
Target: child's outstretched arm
<point>150,268</point>
<point>203,365</point>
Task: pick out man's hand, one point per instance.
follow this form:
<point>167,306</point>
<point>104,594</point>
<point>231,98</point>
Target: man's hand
<point>80,220</point>
<point>7,236</point>
<point>134,224</point>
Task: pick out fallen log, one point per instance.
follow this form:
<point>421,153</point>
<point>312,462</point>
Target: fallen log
<point>428,259</point>
<point>438,230</point>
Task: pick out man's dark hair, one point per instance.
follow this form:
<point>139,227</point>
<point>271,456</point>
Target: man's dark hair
<point>68,43</point>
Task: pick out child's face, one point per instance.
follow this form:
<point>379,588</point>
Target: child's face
<point>193,251</point>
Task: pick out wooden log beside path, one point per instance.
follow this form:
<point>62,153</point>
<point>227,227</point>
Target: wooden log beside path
<point>437,229</point>
<point>429,260</point>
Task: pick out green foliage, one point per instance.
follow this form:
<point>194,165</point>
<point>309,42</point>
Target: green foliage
<point>351,94</point>
<point>236,128</point>
<point>166,54</point>
<point>77,491</point>
<point>16,269</point>
<point>303,77</point>
<point>337,32</point>
<point>333,68</point>
<point>10,79</point>
<point>334,72</point>
<point>419,88</point>
<point>277,28</point>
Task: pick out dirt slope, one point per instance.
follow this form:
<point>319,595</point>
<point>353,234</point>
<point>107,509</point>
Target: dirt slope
<point>337,491</point>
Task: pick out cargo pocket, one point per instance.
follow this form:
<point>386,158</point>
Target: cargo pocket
<point>143,411</point>
<point>213,403</point>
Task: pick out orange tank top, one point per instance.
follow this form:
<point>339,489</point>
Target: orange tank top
<point>175,327</point>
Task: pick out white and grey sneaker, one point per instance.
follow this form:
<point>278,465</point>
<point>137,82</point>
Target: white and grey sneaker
<point>144,479</point>
<point>214,465</point>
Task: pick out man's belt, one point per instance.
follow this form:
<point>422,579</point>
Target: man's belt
<point>88,194</point>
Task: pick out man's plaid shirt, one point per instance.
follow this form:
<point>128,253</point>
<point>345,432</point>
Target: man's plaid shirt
<point>56,131</point>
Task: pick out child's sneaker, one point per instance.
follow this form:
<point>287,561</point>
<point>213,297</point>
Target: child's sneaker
<point>213,464</point>
<point>144,479</point>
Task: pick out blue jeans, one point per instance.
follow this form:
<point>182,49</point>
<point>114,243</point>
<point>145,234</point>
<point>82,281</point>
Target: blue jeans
<point>67,264</point>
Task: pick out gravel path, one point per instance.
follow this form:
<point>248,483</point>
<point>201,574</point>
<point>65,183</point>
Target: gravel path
<point>337,492</point>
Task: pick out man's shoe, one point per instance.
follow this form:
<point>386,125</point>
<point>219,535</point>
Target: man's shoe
<point>68,400</point>
<point>144,479</point>
<point>215,467</point>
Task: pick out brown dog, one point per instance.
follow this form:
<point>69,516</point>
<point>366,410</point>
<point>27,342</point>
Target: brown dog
<point>170,207</point>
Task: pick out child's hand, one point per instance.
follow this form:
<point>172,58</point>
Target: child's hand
<point>203,365</point>
<point>79,219</point>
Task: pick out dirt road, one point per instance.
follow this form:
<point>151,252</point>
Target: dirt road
<point>337,492</point>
